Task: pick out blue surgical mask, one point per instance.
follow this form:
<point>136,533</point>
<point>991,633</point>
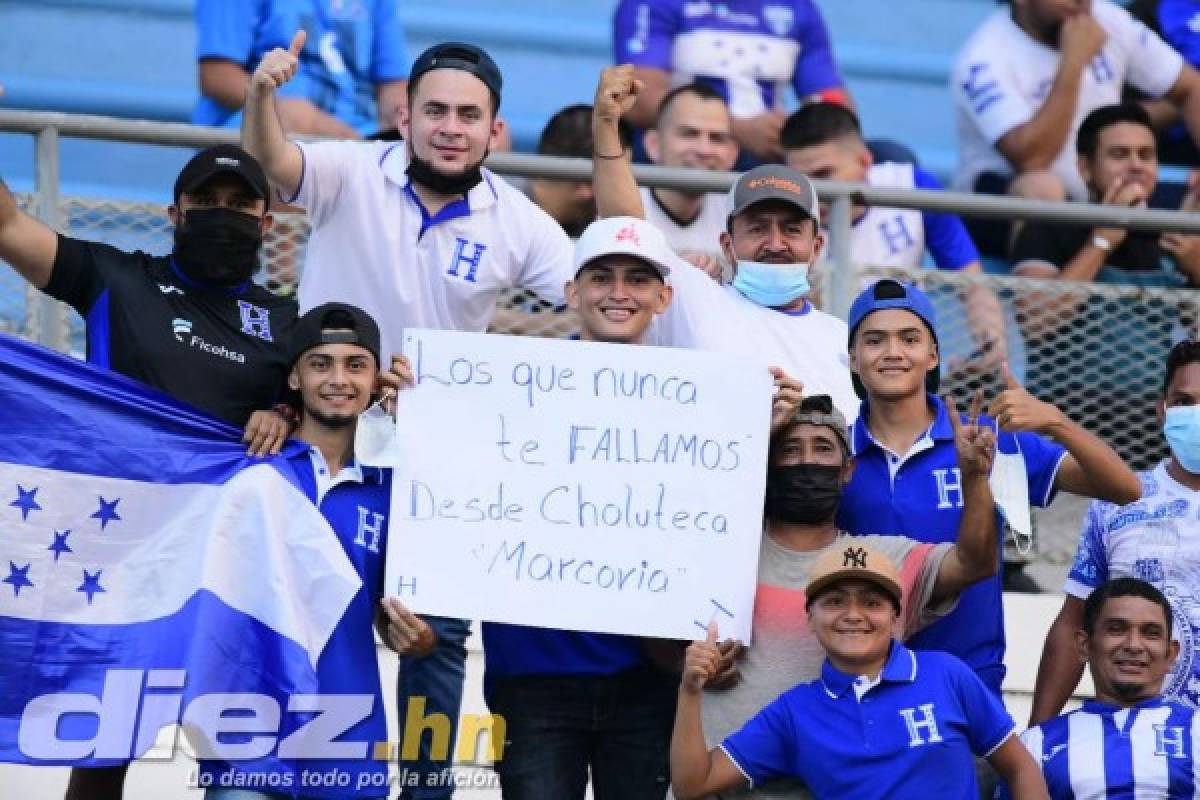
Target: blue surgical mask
<point>1182,429</point>
<point>771,285</point>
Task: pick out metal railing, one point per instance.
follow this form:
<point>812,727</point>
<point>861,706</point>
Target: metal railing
<point>1096,350</point>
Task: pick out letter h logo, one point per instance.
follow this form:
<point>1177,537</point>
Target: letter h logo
<point>460,257</point>
<point>927,723</point>
<point>949,481</point>
<point>256,321</point>
<point>1168,741</point>
<point>896,236</point>
<point>374,528</point>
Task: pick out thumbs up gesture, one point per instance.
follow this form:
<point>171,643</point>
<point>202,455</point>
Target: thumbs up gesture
<point>1015,409</point>
<point>278,66</point>
<point>702,661</point>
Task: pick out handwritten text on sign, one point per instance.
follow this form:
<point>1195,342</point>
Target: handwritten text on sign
<point>579,485</point>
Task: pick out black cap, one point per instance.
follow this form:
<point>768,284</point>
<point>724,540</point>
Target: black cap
<point>220,159</point>
<point>459,55</point>
<point>334,323</point>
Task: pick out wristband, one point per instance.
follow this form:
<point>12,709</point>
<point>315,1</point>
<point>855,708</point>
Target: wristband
<point>1102,243</point>
<point>609,158</point>
<point>288,413</point>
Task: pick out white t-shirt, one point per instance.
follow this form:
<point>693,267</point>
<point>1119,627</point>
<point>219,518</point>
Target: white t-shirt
<point>1156,539</point>
<point>889,237</point>
<point>809,345</point>
<point>701,235</point>
<point>1002,75</point>
<point>372,246</point>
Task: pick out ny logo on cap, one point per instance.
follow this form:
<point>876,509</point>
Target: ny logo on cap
<point>854,557</point>
<point>629,234</point>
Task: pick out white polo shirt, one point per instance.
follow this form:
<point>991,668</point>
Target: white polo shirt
<point>375,246</point>
<point>1002,76</point>
<point>809,345</point>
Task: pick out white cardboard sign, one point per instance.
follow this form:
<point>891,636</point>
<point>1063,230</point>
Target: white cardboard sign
<point>579,485</point>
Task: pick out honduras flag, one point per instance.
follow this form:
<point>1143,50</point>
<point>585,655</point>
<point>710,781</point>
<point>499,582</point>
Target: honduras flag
<point>150,573</point>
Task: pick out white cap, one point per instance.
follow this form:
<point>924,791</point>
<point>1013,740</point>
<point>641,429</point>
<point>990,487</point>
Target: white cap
<point>628,236</point>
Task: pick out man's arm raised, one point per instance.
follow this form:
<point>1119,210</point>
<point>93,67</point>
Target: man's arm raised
<point>613,184</point>
<point>1091,468</point>
<point>1061,668</point>
<point>26,243</point>
<point>262,132</point>
<point>975,554</point>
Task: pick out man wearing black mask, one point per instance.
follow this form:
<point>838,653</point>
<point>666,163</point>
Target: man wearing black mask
<point>191,324</point>
<point>808,466</point>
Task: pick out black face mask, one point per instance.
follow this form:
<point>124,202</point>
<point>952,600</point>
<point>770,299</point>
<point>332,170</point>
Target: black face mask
<point>804,494</point>
<point>422,172</point>
<point>218,245</point>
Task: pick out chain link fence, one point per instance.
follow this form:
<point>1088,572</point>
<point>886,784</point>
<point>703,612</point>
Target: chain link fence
<point>1096,351</point>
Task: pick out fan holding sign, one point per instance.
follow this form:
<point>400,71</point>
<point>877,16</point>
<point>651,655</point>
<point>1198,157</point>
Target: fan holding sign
<point>597,497</point>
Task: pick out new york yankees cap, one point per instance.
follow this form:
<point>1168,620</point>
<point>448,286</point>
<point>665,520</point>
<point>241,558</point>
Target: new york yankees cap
<point>224,158</point>
<point>334,323</point>
<point>628,236</point>
<point>773,182</point>
<point>848,558</point>
<point>459,55</point>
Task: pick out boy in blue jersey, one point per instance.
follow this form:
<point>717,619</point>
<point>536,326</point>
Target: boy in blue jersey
<point>881,722</point>
<point>1130,741</point>
<point>335,373</point>
<point>576,702</point>
<point>907,481</point>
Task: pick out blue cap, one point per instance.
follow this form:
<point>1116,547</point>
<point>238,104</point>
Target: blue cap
<point>887,294</point>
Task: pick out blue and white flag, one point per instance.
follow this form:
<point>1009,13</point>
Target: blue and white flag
<point>147,566</point>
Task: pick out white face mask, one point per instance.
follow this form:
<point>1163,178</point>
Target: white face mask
<point>375,436</point>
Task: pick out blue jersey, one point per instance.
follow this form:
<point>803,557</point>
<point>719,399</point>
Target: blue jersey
<point>356,506</point>
<point>352,46</point>
<point>914,734</point>
<point>1102,750</point>
<point>514,650</point>
<point>1155,539</point>
<point>919,495</point>
<point>748,50</point>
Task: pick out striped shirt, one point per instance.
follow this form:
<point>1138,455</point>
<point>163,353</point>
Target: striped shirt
<point>1104,751</point>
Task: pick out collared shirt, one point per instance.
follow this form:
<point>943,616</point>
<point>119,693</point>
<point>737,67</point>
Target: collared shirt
<point>1002,76</point>
<point>1155,539</point>
<point>1102,750</point>
<point>356,502</point>
<point>910,735</point>
<point>919,494</point>
<point>222,350</point>
<point>375,245</point>
<point>704,315</point>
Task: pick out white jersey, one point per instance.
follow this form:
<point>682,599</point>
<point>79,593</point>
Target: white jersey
<point>373,245</point>
<point>1002,76</point>
<point>889,237</point>
<point>701,235</point>
<point>810,345</point>
<point>1156,539</point>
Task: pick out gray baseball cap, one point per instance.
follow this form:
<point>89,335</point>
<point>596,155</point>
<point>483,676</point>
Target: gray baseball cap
<point>773,182</point>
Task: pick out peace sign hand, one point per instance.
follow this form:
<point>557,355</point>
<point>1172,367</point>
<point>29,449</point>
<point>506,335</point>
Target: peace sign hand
<point>975,444</point>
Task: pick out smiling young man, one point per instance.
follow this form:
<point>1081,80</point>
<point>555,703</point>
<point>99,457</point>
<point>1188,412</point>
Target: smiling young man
<point>809,464</point>
<point>771,237</point>
<point>907,482</point>
<point>416,233</point>
<point>1129,741</point>
<point>335,375</point>
<point>882,721</point>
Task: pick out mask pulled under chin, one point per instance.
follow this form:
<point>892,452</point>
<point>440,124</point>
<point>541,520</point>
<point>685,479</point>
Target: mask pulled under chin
<point>771,285</point>
<point>1182,429</point>
<point>421,171</point>
<point>218,245</point>
<point>803,494</point>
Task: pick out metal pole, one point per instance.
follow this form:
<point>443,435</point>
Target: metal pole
<point>841,278</point>
<point>50,315</point>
